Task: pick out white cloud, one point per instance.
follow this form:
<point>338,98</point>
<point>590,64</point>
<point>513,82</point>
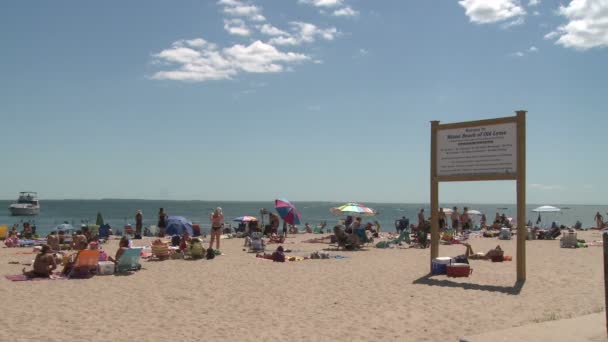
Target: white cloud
<point>323,3</point>
<point>531,49</point>
<point>551,35</point>
<point>491,11</point>
<point>345,12</point>
<point>270,30</point>
<point>198,60</point>
<point>238,8</point>
<point>534,3</point>
<point>587,25</point>
<point>339,7</point>
<point>516,22</point>
<point>305,33</point>
<point>236,27</point>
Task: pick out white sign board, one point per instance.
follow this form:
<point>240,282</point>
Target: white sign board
<point>478,150</point>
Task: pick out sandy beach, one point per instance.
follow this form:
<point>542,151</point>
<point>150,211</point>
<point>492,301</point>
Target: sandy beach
<point>373,294</point>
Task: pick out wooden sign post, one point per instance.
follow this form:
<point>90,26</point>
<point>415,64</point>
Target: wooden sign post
<point>484,150</point>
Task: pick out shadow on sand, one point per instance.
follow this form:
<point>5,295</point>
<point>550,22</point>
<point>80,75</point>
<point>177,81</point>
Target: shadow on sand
<point>510,290</point>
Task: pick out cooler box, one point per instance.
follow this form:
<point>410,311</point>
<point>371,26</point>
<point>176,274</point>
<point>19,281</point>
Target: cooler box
<point>439,265</point>
<point>105,268</point>
<point>459,270</point>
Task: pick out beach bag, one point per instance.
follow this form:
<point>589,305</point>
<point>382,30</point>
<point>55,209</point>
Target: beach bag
<point>210,254</point>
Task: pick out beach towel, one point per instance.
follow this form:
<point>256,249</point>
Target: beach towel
<point>23,277</point>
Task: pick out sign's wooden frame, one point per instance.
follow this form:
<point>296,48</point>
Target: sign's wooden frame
<point>519,177</point>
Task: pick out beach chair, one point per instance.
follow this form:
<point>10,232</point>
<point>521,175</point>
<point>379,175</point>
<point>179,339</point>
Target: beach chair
<point>256,243</point>
<point>85,264</point>
<point>569,240</point>
<point>161,251</point>
<point>505,234</point>
<point>129,261</point>
<point>104,233</point>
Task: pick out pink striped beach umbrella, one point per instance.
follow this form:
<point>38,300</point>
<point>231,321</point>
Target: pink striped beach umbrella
<point>287,211</point>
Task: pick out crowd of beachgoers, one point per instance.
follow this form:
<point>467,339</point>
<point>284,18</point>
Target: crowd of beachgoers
<point>351,233</point>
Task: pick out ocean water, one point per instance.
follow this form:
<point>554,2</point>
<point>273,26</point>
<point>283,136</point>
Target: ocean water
<point>119,212</point>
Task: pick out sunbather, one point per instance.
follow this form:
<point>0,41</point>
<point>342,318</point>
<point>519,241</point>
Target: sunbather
<point>480,256</point>
<point>71,260</point>
<point>53,241</point>
<point>77,241</point>
<point>123,245</point>
<point>326,239</point>
<point>274,238</point>
<point>44,264</point>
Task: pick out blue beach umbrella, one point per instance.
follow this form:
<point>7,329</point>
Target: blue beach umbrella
<point>177,224</point>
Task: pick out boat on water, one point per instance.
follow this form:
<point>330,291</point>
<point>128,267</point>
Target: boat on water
<point>27,204</point>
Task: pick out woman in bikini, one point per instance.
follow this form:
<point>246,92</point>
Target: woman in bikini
<point>217,218</point>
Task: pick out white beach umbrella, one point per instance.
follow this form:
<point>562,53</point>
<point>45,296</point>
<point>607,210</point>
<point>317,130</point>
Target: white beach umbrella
<point>448,211</point>
<point>474,212</point>
<point>547,209</point>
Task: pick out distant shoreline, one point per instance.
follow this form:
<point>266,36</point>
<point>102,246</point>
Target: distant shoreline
<point>303,201</point>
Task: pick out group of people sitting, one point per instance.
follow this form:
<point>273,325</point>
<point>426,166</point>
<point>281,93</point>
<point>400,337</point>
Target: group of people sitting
<point>187,246</point>
<point>48,259</point>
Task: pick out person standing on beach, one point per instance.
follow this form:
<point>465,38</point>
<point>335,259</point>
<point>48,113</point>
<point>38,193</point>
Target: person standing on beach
<point>421,219</point>
<point>465,219</point>
<point>216,218</point>
<point>599,220</point>
<point>455,219</point>
<point>442,219</point>
<point>139,222</point>
<point>162,222</point>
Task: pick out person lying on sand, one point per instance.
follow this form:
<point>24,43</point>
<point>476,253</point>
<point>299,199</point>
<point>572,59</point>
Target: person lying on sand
<point>480,256</point>
<point>44,264</point>
<point>326,239</point>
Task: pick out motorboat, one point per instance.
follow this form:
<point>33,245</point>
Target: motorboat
<point>26,205</point>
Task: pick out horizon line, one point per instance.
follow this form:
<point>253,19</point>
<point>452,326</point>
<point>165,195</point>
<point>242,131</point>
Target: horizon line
<point>321,201</point>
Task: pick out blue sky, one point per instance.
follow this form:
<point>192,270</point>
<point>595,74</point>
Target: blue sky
<point>304,99</point>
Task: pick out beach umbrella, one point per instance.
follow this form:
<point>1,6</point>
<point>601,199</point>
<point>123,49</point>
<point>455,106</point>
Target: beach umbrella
<point>448,211</point>
<point>176,225</point>
<point>99,220</point>
<point>546,209</point>
<point>474,212</point>
<point>287,211</point>
<point>353,208</point>
<point>245,219</point>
